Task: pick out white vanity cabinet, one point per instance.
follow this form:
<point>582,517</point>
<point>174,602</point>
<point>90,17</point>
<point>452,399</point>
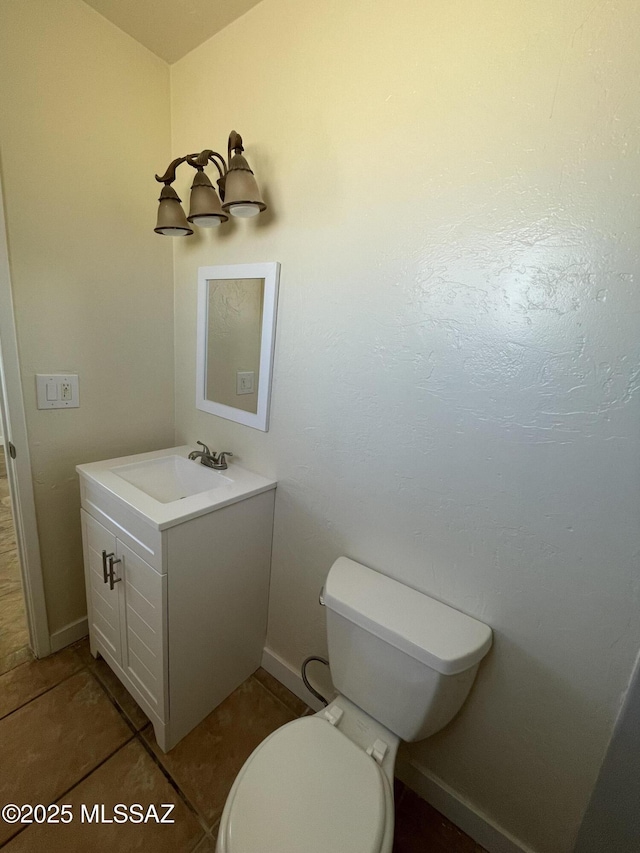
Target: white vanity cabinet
<point>127,607</point>
<point>177,591</point>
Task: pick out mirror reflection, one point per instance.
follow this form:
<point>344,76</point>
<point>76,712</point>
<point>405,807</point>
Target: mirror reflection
<point>237,307</point>
<point>234,337</point>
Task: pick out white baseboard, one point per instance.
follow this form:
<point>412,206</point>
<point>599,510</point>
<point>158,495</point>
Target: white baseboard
<point>458,811</point>
<point>287,675</point>
<point>427,786</point>
<point>69,634</point>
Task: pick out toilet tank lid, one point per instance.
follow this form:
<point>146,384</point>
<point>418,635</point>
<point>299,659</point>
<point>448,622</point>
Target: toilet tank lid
<point>428,630</point>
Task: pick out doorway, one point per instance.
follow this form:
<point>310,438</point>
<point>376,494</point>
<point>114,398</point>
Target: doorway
<point>14,630</point>
<point>24,624</point>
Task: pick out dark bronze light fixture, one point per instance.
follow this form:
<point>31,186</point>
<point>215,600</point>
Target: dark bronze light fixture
<point>239,192</point>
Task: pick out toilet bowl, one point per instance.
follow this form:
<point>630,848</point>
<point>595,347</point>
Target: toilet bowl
<point>403,664</point>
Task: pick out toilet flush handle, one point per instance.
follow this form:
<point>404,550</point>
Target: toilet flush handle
<point>321,598</point>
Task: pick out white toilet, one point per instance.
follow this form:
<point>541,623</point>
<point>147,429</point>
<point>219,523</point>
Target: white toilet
<point>403,664</point>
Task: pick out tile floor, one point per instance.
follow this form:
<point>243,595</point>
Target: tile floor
<point>70,734</point>
<point>14,635</point>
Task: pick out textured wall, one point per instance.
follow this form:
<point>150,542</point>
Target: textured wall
<point>612,820</point>
<point>453,193</point>
<point>85,123</point>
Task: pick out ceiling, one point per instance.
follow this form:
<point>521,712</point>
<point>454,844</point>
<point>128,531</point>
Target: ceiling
<point>171,28</point>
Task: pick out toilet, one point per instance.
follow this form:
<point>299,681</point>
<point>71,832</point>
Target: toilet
<point>403,664</point>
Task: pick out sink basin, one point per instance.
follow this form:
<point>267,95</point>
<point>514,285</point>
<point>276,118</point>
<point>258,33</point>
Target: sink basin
<point>171,478</point>
<point>164,488</point>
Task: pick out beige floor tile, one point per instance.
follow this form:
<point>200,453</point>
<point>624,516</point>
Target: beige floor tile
<point>112,684</point>
<point>25,682</point>
<point>7,539</point>
<point>48,745</point>
<point>81,648</point>
<point>207,761</point>
<point>10,579</point>
<point>208,845</point>
<point>6,516</point>
<point>119,693</point>
<point>11,661</point>
<point>419,827</point>
<point>297,706</point>
<point>130,776</point>
<point>14,634</point>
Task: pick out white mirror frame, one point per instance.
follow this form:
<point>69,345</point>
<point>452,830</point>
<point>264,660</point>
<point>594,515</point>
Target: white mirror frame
<point>270,272</point>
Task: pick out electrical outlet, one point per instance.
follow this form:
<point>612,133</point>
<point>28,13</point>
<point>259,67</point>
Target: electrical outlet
<point>56,391</point>
<point>245,382</point>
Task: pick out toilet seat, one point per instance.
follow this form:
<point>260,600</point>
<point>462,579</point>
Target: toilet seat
<point>307,787</point>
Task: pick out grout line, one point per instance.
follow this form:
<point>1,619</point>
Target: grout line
<point>174,784</point>
<point>112,700</point>
<point>39,695</point>
<point>279,700</point>
<point>75,785</point>
<point>135,735</point>
<point>273,696</point>
<point>5,658</point>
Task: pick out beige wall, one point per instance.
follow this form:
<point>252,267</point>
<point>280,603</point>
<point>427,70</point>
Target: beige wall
<point>85,124</point>
<point>453,192</point>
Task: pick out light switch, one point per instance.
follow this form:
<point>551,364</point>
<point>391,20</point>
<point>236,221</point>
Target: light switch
<point>57,391</point>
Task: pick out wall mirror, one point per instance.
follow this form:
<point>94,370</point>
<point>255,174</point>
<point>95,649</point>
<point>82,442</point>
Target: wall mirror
<point>235,341</point>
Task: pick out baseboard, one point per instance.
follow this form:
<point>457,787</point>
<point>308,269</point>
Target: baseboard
<point>287,675</point>
<point>427,786</point>
<point>69,634</point>
<point>486,833</point>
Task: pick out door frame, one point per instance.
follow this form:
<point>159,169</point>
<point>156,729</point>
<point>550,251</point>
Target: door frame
<point>14,429</point>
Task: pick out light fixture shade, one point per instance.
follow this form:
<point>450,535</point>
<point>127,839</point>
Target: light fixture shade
<point>241,194</point>
<point>171,219</point>
<point>204,209</point>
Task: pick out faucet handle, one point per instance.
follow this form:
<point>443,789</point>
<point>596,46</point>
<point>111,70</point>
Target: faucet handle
<point>221,462</point>
<point>204,452</point>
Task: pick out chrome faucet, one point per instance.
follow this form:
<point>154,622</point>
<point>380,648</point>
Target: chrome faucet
<point>210,459</point>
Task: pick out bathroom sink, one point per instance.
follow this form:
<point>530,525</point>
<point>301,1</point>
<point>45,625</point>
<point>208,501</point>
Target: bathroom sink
<point>164,488</point>
<point>171,478</point>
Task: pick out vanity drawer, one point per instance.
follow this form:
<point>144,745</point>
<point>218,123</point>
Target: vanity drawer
<point>143,539</point>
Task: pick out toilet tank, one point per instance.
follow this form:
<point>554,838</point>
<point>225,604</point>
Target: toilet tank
<point>406,659</point>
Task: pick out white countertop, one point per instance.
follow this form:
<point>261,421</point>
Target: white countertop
<point>244,484</point>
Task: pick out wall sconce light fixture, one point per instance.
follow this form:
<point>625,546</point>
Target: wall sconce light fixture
<point>239,192</point>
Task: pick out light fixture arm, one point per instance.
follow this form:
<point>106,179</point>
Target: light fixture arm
<point>208,156</point>
<point>234,144</point>
<point>170,175</point>
<point>237,188</point>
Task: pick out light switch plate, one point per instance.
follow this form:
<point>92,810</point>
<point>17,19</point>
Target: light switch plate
<point>57,391</point>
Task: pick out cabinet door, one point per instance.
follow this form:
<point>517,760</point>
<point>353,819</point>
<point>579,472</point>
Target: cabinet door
<point>102,602</point>
<point>144,657</point>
